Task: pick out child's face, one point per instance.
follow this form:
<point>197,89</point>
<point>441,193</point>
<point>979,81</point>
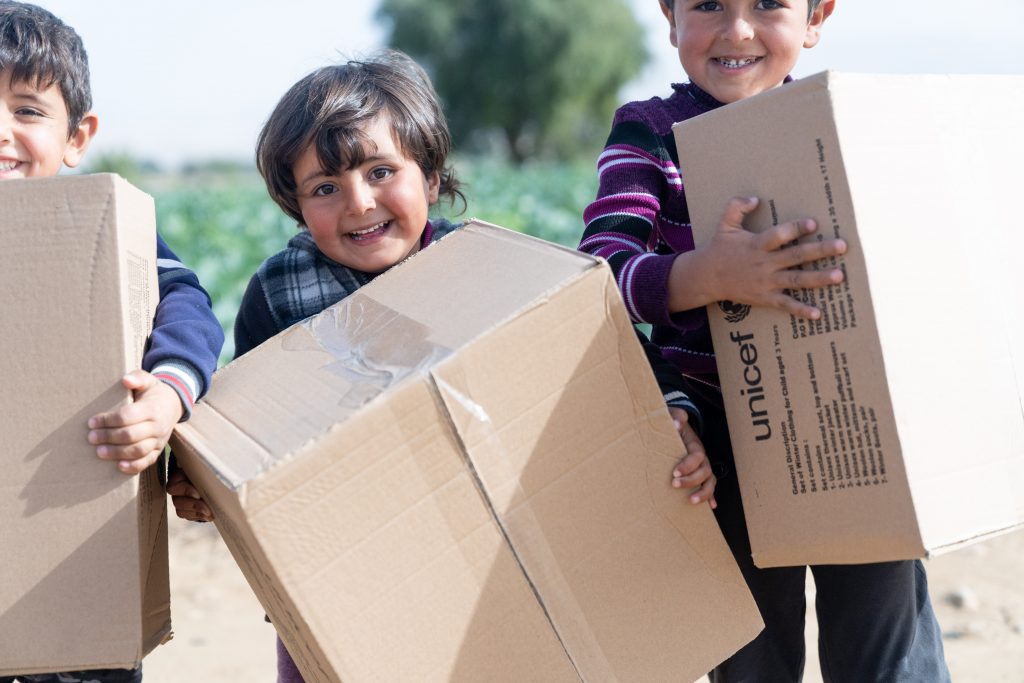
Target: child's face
<point>372,216</point>
<point>734,49</point>
<point>34,139</point>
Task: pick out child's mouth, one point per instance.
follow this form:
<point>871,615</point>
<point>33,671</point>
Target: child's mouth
<point>372,231</point>
<point>729,63</point>
<point>6,166</point>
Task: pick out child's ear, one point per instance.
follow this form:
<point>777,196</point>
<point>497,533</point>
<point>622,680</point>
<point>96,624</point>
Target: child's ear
<point>822,12</point>
<point>671,16</point>
<point>80,139</point>
<point>433,187</point>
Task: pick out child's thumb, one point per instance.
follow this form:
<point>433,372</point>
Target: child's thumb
<point>137,380</point>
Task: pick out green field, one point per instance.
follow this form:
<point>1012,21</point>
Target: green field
<point>224,225</point>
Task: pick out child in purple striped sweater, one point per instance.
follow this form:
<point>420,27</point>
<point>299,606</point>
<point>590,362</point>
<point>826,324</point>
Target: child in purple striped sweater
<point>875,621</point>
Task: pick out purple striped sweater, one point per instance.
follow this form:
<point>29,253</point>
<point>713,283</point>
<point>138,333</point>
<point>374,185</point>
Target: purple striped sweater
<point>639,222</point>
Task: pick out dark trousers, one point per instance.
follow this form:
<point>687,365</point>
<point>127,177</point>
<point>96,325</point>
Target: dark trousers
<point>91,676</point>
<point>875,621</point>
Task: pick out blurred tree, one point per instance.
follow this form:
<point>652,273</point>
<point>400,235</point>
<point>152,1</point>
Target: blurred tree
<point>541,76</point>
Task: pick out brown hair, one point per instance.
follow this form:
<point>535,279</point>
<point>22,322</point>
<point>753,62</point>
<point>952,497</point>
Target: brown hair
<point>330,109</point>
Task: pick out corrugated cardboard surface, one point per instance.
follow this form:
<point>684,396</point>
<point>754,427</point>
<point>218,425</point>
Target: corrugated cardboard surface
<point>461,473</point>
<point>83,582</point>
<point>893,427</point>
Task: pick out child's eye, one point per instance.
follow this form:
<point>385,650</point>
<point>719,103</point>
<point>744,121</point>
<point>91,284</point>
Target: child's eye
<point>769,4</point>
<point>28,111</point>
<point>324,190</point>
<point>708,7</point>
<point>380,173</point>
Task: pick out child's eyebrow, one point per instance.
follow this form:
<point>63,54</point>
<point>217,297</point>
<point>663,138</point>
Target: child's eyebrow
<point>29,94</point>
<point>319,173</point>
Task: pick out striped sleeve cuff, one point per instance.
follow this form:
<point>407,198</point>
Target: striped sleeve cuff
<point>183,377</point>
<point>677,399</point>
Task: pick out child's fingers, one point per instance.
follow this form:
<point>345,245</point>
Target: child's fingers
<point>124,436</point>
<point>691,472</point>
<point>191,509</point>
<point>138,380</point>
<point>778,236</point>
<point>809,252</point>
<point>807,279</point>
<point>135,450</point>
<point>736,209</point>
<point>130,414</point>
<point>182,488</point>
<point>706,492</point>
<point>139,464</point>
<point>794,307</point>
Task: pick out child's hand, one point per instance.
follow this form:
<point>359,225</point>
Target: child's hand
<point>755,268</point>
<point>136,434</point>
<point>188,504</point>
<point>694,470</point>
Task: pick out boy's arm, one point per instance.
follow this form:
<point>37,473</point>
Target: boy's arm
<point>186,338</point>
<point>180,358</point>
<point>636,176</point>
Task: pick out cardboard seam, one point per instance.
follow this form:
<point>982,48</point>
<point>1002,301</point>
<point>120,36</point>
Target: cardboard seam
<point>93,260</point>
<point>435,390</point>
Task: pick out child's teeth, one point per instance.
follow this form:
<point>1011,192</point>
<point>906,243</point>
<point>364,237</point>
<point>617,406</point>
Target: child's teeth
<point>738,62</point>
<point>7,165</point>
<point>369,230</point>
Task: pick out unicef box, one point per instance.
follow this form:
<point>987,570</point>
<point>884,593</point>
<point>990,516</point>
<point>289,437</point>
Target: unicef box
<point>891,428</point>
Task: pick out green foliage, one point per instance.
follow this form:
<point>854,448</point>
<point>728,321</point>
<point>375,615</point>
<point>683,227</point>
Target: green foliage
<point>545,200</point>
<point>123,164</point>
<point>223,230</point>
<point>541,75</point>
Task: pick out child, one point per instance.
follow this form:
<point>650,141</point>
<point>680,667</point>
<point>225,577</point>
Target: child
<point>876,622</point>
<point>356,154</point>
<point>46,122</point>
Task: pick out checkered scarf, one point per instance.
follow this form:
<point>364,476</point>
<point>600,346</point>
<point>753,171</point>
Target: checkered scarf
<point>300,281</point>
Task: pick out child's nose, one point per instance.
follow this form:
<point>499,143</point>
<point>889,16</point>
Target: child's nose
<point>738,27</point>
<point>6,129</point>
<point>359,199</point>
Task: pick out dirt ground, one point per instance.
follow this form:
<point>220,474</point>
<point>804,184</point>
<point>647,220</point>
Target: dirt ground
<point>220,634</point>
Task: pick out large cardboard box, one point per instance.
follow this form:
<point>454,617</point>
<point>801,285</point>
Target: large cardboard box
<point>83,580</point>
<point>891,428</point>
<point>461,473</point>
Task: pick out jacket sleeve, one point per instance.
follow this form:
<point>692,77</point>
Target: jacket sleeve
<point>634,174</point>
<point>254,323</point>
<point>670,381</point>
<point>186,338</point>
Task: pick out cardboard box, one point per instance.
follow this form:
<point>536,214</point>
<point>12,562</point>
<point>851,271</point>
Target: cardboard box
<point>892,428</point>
<point>84,578</point>
<point>461,473</point>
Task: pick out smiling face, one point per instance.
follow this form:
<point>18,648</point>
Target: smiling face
<point>371,216</point>
<point>734,49</point>
<point>34,140</point>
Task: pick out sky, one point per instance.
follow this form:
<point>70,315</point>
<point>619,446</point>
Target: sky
<point>194,80</point>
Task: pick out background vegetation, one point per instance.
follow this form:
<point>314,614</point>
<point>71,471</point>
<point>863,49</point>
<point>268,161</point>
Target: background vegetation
<point>220,221</point>
<point>528,79</point>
